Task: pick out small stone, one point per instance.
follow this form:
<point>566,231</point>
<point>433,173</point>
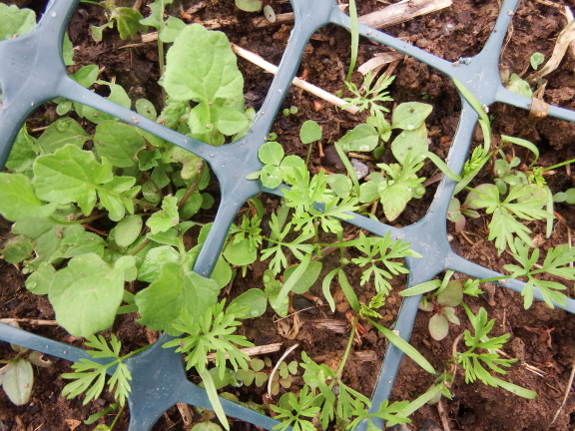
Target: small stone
<point>360,168</point>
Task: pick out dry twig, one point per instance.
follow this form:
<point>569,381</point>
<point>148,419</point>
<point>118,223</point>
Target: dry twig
<point>567,390</point>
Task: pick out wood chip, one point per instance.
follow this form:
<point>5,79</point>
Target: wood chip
<point>254,351</point>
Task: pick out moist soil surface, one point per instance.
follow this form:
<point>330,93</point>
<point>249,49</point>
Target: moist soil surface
<point>542,339</point>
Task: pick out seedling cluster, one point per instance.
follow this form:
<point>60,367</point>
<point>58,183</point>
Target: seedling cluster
<point>60,193</point>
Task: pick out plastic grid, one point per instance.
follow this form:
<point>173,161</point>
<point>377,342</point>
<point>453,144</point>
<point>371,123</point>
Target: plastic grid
<point>32,72</point>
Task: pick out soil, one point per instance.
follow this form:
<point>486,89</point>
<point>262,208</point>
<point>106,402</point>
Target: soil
<point>541,338</point>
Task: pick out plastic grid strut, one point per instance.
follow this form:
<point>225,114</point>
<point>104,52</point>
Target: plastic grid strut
<point>32,72</point>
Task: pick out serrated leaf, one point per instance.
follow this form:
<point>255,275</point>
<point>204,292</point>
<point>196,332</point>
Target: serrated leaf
<point>18,200</point>
<point>177,288</point>
<point>165,219</point>
<point>70,175</point>
<point>86,295</point>
<point>18,380</point>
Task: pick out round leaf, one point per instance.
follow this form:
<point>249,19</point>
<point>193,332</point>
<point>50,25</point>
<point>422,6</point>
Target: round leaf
<point>271,176</point>
<point>363,138</point>
<point>438,327</point>
<point>410,140</point>
<point>410,115</point>
<point>271,153</point>
<point>310,132</point>
<point>240,253</point>
<point>146,109</point>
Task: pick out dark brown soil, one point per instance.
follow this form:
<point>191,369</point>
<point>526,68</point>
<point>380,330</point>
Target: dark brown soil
<point>542,339</point>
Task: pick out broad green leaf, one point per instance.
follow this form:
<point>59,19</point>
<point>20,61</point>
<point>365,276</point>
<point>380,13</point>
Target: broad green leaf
<point>307,279</point>
<point>172,29</point>
<point>86,76</point>
<point>15,22</point>
<point>127,230</point>
<point>362,138</point>
<point>18,380</point>
<point>340,184</point>
<point>61,132</point>
<point>240,253</point>
<point>128,20</point>
<point>17,249</point>
<point>201,66</point>
<point>222,273</point>
<point>310,132</point>
<point>86,295</point>
<point>156,17</point>
<point>70,175</point>
<point>116,196</point>
<point>40,281</point>
<point>151,267</point>
<point>117,95</point>
<point>166,218</point>
<point>414,140</point>
<point>191,163</point>
<point>229,121</point>
<point>79,243</point>
<point>410,115</point>
<point>47,236</point>
<point>271,153</point>
<point>18,200</point>
<point>24,152</point>
<point>178,288</point>
<point>254,301</point>
<point>118,143</point>
<point>536,60</point>
<point>146,109</point>
<point>192,204</point>
<point>519,86</point>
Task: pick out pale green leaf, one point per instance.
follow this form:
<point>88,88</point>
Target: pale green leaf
<point>86,295</point>
<point>18,200</point>
<point>178,288</point>
<point>17,249</point>
<point>61,132</point>
<point>202,67</point>
<point>410,115</point>
<point>18,380</point>
<point>362,138</point>
<point>15,22</point>
<point>70,175</point>
<point>166,218</point>
<point>118,143</point>
<point>310,132</point>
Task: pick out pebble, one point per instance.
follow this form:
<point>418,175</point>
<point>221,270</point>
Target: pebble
<point>360,168</point>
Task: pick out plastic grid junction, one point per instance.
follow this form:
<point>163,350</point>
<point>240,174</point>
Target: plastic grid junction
<point>32,72</point>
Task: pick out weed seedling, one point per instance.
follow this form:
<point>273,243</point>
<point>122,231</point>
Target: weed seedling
<point>17,376</point>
